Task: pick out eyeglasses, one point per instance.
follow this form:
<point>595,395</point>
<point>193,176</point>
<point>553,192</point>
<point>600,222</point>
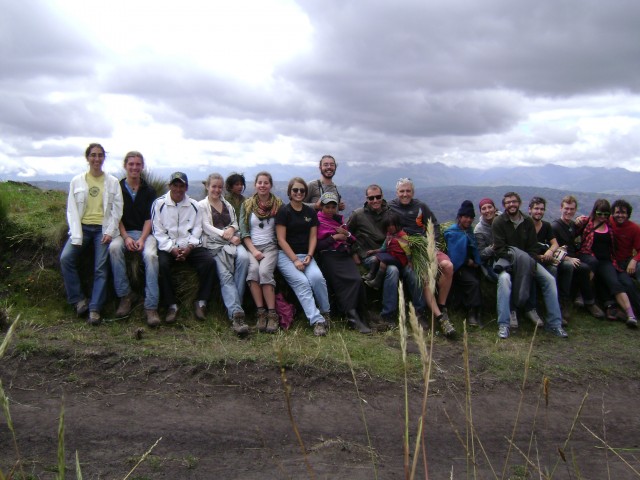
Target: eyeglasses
<point>371,198</point>
<point>603,214</point>
<point>299,190</point>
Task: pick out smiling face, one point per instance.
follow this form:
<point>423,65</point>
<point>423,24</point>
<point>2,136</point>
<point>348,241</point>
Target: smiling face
<point>177,190</point>
<point>568,211</point>
<point>620,215</point>
<point>405,193</point>
<point>214,189</point>
<point>95,158</point>
<point>464,221</point>
<point>134,167</point>
<point>263,185</point>
<point>488,212</point>
<point>537,211</point>
<point>511,205</point>
<point>297,192</point>
<point>328,167</point>
<point>374,198</point>
<point>330,209</point>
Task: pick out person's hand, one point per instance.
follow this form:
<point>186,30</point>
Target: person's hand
<point>299,264</point>
<point>177,253</point>
<point>341,205</point>
<point>228,233</point>
<point>574,261</point>
<point>547,257</point>
<point>258,255</point>
<point>631,268</point>
<point>106,239</point>
<point>140,244</point>
<point>235,240</point>
<point>307,260</point>
<point>130,244</point>
<point>186,251</point>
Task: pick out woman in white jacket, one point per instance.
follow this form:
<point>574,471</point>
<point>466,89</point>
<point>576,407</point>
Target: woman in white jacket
<point>94,208</point>
<point>220,236</point>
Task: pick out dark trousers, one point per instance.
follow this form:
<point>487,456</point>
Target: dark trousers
<point>466,281</point>
<point>201,260</point>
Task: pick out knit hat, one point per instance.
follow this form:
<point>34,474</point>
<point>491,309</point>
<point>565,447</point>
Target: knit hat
<point>466,209</point>
<point>486,201</point>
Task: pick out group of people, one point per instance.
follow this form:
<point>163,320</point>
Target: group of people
<point>243,240</point>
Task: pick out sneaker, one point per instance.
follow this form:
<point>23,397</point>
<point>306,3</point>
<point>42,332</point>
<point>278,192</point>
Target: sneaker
<point>446,326</point>
<point>82,307</point>
<point>273,322</point>
<point>534,317</point>
<point>595,310</point>
<point>238,325</point>
<point>172,315</point>
<point>558,332</point>
<point>621,315</point>
<point>153,319</point>
<point>503,331</point>
<point>126,305</point>
<point>94,318</point>
<point>632,322</point>
<point>199,310</point>
<point>320,329</point>
<point>513,320</point>
<point>261,320</point>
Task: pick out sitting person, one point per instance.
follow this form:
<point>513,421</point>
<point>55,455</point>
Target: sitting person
<point>627,235</point>
<point>177,226</point>
<point>297,234</point>
<point>337,264</point>
<point>394,251</point>
<point>463,252</point>
<point>219,236</point>
<point>235,185</point>
<point>258,231</point>
<point>94,208</point>
<point>596,250</point>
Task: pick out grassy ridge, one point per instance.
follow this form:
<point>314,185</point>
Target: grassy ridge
<point>32,286</point>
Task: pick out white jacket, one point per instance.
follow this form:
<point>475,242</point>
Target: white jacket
<point>77,203</point>
<point>176,224</point>
<point>212,236</point>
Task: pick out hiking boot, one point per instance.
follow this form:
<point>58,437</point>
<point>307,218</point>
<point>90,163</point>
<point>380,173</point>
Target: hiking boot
<point>238,325</point>
<point>126,305</point>
<point>327,319</point>
<point>534,317</point>
<point>513,320</point>
<point>153,319</point>
<point>377,281</point>
<point>472,317</point>
<point>82,307</point>
<point>200,311</point>
<point>261,320</point>
<point>172,315</point>
<point>612,313</point>
<point>595,310</point>
<point>320,329</point>
<point>94,318</point>
<point>579,302</point>
<point>503,331</point>
<point>446,326</point>
<point>632,322</point>
<point>558,332</point>
<point>273,322</point>
<point>565,311</point>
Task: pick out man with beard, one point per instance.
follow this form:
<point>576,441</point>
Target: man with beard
<point>514,229</point>
<point>564,229</point>
<point>627,235</point>
<point>315,188</point>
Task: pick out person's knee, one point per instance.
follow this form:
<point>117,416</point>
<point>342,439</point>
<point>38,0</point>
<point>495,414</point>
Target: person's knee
<point>446,268</point>
<point>392,274</point>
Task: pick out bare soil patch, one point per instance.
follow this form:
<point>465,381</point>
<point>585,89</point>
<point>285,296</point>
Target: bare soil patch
<point>231,422</point>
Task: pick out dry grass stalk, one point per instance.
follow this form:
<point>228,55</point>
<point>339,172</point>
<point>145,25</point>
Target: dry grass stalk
<point>471,450</point>
<point>613,450</point>
<point>573,425</point>
<point>360,402</point>
<point>142,458</point>
<point>287,396</point>
<point>62,467</point>
<point>78,469</point>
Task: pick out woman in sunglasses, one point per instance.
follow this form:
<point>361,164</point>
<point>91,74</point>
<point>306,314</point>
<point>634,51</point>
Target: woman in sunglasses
<point>257,229</point>
<point>597,250</point>
<point>296,230</point>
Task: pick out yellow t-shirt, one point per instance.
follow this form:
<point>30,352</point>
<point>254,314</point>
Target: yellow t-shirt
<point>94,212</point>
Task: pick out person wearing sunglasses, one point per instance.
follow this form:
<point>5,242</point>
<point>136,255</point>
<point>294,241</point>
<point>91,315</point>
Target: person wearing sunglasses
<point>257,229</point>
<point>297,234</point>
<point>597,251</point>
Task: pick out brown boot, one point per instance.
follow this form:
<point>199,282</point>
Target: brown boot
<point>153,319</point>
<point>261,320</point>
<point>273,322</point>
<point>126,305</point>
<point>238,325</point>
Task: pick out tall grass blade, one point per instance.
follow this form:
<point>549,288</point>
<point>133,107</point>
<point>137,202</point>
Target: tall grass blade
<point>61,463</point>
<point>78,469</point>
<point>613,450</point>
<point>142,458</point>
<point>360,402</point>
<point>402,329</point>
<point>573,426</point>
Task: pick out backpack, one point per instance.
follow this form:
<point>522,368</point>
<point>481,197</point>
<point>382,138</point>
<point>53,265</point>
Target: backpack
<point>285,310</point>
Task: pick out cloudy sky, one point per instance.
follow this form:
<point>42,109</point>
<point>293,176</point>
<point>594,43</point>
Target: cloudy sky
<point>212,84</point>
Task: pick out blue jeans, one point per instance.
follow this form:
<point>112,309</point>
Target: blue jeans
<point>390,287</point>
<point>91,234</point>
<point>547,284</point>
<point>230,283</point>
<point>306,285</point>
<point>504,298</point>
<point>117,250</point>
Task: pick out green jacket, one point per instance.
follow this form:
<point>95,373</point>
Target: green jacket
<point>366,225</point>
